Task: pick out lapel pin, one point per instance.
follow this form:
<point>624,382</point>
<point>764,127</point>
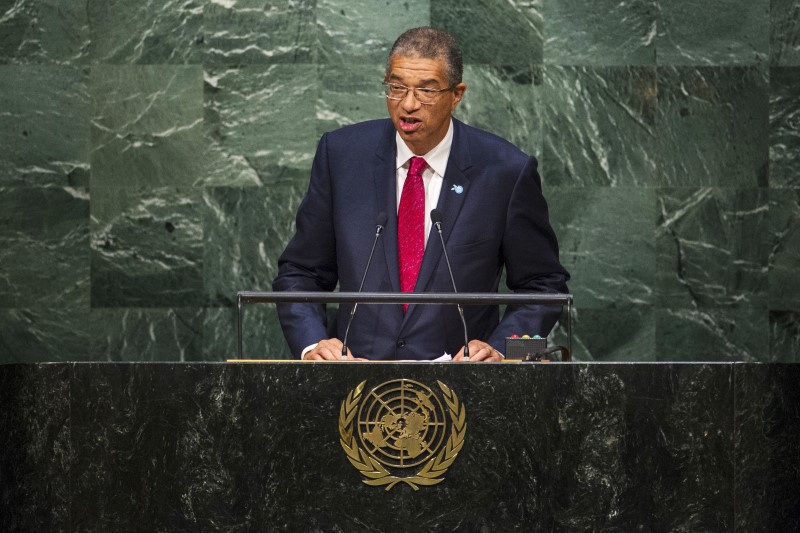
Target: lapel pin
<point>458,188</point>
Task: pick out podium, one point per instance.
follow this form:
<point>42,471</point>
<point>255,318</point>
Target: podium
<point>257,447</point>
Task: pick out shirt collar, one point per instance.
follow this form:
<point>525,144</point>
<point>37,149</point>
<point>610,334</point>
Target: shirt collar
<point>436,158</point>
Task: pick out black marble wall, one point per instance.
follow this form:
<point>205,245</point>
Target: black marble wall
<point>683,447</point>
<point>152,155</point>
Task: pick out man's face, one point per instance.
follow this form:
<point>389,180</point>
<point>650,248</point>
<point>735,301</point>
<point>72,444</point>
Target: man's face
<point>422,126</point>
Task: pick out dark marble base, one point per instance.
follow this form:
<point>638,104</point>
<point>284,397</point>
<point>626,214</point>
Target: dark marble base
<point>551,447</point>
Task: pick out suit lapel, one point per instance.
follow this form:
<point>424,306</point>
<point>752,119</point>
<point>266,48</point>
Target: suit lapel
<point>455,188</point>
<point>385,178</point>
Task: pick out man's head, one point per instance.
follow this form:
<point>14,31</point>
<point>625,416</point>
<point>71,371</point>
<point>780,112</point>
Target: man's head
<point>429,60</point>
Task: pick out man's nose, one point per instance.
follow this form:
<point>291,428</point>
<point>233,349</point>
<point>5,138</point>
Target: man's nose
<point>410,101</point>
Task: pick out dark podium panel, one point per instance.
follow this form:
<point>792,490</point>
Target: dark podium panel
<point>255,447</point>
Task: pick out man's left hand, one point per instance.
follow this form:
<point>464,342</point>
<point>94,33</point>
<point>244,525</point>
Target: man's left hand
<point>479,351</point>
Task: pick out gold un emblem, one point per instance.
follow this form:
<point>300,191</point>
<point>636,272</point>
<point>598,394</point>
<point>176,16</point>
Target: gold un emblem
<point>400,425</point>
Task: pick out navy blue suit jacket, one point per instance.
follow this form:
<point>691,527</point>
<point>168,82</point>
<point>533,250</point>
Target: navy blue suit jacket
<point>499,218</point>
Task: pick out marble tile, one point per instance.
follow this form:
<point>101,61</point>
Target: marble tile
<point>784,37</point>
<point>44,125</point>
<point>239,32</point>
<point>146,247</point>
<point>711,248</point>
<point>43,31</point>
<point>147,125</point>
<point>35,451</point>
<point>784,131</point>
<point>44,334</point>
<point>44,237</point>
<point>146,334</point>
<point>606,243</point>
<point>505,101</point>
<point>599,126</point>
<point>620,333</point>
<point>767,427</point>
<point>784,256</point>
<point>262,337</point>
<point>245,230</point>
<point>152,32</point>
<point>606,32</point>
<point>349,94</point>
<point>784,336</point>
<point>363,31</point>
<point>715,32</point>
<point>262,117</point>
<point>712,334</point>
<point>477,25</point>
<point>713,126</point>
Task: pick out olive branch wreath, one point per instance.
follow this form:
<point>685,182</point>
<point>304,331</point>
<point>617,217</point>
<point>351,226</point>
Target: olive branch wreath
<point>376,474</point>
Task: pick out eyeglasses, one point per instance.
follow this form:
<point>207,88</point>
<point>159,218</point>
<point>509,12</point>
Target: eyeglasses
<point>395,91</point>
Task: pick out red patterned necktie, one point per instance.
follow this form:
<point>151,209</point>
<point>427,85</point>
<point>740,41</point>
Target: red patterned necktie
<point>411,226</point>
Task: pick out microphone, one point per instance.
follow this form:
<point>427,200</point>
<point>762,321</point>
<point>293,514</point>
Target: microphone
<point>380,223</point>
<point>436,218</point>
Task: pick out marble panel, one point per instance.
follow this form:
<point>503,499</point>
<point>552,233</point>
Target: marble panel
<point>505,101</point>
<point>163,31</point>
<point>711,246</point>
<point>605,32</point>
<point>784,38</point>
<point>714,32</point>
<point>146,334</point>
<point>619,333</point>
<point>44,125</point>
<point>261,118</point>
<point>599,126</point>
<point>356,31</point>
<point>44,334</point>
<point>624,427</point>
<point>43,31</point>
<point>245,231</point>
<point>784,256</point>
<point>44,237</point>
<point>606,243</point>
<point>239,32</point>
<point>713,126</point>
<point>784,336</point>
<point>35,451</point>
<point>349,94</point>
<point>262,337</point>
<point>784,127</point>
<point>147,125</point>
<point>712,334</point>
<point>767,429</point>
<point>548,447</point>
<point>146,247</point>
<point>495,33</point>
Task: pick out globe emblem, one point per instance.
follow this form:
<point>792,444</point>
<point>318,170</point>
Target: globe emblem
<point>401,423</point>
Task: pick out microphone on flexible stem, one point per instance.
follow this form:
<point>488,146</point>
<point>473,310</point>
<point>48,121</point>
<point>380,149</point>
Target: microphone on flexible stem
<point>380,223</point>
<point>436,218</point>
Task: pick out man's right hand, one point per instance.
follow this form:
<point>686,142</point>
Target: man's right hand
<point>329,350</point>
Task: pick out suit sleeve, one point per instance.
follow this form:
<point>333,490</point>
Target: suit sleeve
<point>530,253</point>
<point>309,261</point>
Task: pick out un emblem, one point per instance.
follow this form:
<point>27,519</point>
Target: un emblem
<point>400,425</point>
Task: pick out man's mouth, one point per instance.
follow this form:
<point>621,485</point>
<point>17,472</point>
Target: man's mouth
<point>409,124</point>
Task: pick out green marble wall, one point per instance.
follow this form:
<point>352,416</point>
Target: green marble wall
<point>152,155</point>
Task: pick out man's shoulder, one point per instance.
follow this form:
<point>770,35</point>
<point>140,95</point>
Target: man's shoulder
<point>370,130</point>
<point>489,144</point>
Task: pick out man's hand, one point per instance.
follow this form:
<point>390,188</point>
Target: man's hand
<point>479,351</point>
<point>329,350</point>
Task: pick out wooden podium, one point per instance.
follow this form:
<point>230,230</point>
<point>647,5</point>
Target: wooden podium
<point>258,447</point>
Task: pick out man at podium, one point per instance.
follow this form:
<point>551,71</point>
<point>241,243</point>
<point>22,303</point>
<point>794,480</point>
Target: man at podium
<point>394,173</point>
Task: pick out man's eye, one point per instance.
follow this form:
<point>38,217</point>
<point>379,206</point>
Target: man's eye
<point>427,91</point>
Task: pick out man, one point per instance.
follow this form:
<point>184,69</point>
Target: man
<point>493,215</point>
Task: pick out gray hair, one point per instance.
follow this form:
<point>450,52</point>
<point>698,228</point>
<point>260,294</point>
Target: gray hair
<point>430,43</point>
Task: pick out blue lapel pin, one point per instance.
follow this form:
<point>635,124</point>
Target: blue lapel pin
<point>457,188</point>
